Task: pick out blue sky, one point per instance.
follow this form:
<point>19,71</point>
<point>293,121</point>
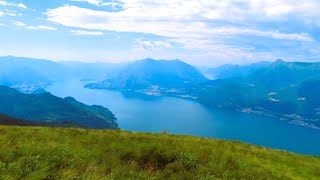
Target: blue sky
<point>200,32</point>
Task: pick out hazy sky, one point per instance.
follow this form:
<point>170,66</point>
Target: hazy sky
<point>201,32</point>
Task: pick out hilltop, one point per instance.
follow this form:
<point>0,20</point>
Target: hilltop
<point>55,153</point>
<point>148,72</point>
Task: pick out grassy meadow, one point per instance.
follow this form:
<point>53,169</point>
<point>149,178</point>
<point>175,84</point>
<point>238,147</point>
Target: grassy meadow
<point>57,153</point>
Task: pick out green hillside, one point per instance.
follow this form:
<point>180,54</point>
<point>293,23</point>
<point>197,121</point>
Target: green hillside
<point>49,153</point>
<point>285,90</point>
<point>49,108</point>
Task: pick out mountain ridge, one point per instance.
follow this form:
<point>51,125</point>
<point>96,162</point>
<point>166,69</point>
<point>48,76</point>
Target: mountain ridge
<point>234,70</point>
<point>282,90</point>
<point>149,72</point>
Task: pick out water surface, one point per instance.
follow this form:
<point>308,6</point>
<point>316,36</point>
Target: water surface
<point>179,116</point>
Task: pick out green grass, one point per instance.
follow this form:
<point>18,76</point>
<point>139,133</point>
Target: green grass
<point>53,153</point>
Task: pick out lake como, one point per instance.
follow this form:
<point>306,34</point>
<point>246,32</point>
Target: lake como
<point>180,116</point>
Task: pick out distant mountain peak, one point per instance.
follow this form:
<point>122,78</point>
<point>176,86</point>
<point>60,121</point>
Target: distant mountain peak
<point>151,59</point>
<point>148,59</point>
<point>179,61</point>
<point>279,61</point>
<point>176,60</point>
<point>149,72</point>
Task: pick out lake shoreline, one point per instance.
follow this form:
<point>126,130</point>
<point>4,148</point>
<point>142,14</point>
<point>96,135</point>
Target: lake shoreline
<point>181,116</point>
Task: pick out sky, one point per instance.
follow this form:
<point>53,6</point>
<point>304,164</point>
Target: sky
<point>200,32</point>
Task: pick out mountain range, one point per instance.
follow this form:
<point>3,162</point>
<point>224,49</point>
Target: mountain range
<point>234,70</point>
<point>287,90</point>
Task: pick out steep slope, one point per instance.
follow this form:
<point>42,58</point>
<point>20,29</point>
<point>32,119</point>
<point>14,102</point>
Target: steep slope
<point>46,107</point>
<point>149,72</point>
<point>52,153</point>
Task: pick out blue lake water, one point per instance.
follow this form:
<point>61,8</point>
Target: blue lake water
<point>179,116</point>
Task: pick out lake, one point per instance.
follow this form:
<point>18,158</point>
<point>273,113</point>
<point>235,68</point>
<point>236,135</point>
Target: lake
<point>179,116</point>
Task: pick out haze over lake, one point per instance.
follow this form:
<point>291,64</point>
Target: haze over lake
<point>179,116</point>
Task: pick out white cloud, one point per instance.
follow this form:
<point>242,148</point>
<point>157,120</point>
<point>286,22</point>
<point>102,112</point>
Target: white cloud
<point>173,19</point>
<point>217,31</point>
<point>271,34</point>
<point>148,45</point>
<point>8,13</point>
<point>20,24</point>
<point>91,33</point>
<point>98,2</point>
<point>20,5</point>
<point>227,10</point>
<point>42,27</point>
<point>205,25</point>
<point>37,27</point>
